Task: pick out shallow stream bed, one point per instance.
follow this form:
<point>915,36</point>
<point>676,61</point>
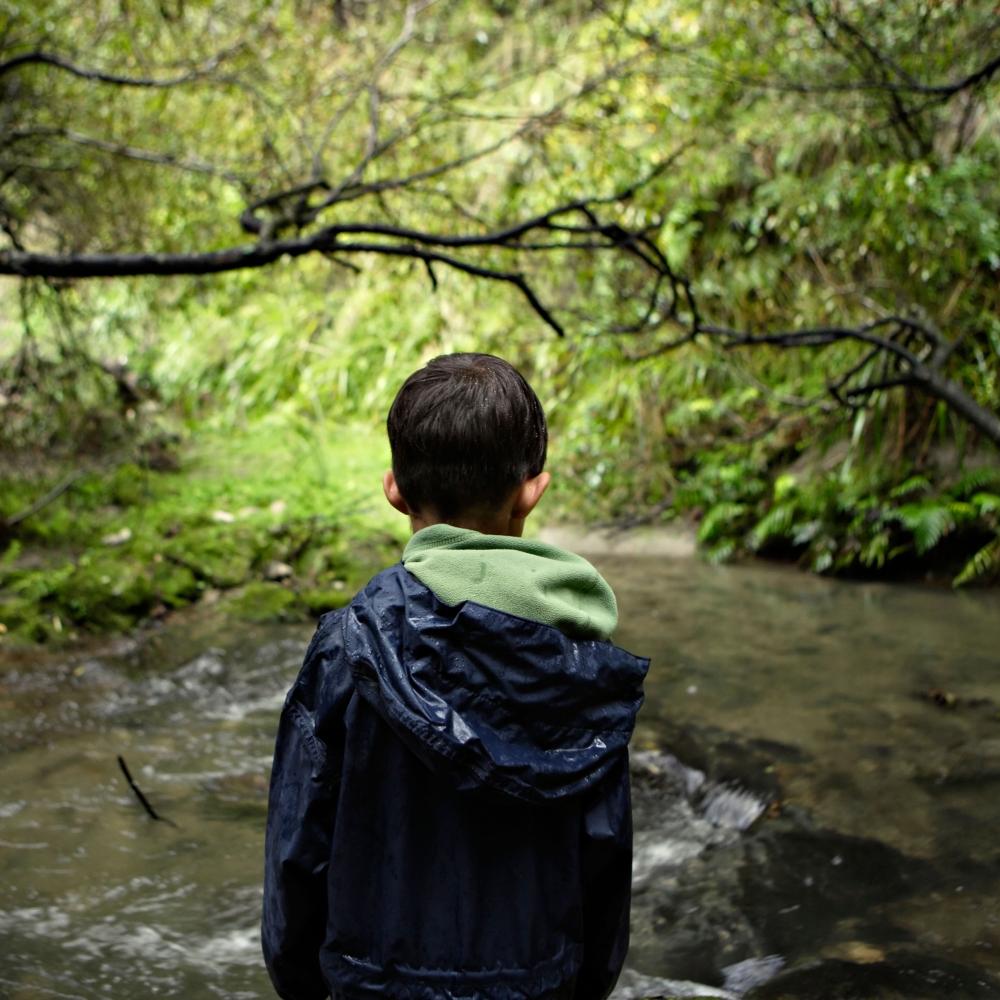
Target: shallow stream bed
<point>817,779</point>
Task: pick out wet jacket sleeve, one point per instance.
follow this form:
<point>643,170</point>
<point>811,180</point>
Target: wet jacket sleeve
<point>300,818</point>
<point>607,886</point>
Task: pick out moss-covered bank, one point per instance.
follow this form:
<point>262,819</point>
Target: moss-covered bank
<point>276,526</point>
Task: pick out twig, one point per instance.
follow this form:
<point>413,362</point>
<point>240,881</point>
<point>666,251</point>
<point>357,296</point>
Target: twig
<point>143,801</point>
<point>43,501</point>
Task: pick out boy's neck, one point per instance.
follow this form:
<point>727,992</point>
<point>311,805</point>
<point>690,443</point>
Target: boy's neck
<point>501,523</point>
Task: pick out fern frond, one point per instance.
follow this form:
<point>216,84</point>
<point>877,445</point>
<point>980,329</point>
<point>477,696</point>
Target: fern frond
<point>983,566</point>
<point>722,552</point>
<point>875,551</point>
<point>976,480</point>
<point>718,518</point>
<point>822,561</point>
<point>963,511</point>
<point>805,533</point>
<point>915,484</point>
<point>986,503</point>
<point>927,522</point>
<point>776,523</point>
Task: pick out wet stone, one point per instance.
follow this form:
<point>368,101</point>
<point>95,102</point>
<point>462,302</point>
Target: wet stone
<point>277,571</point>
<point>902,976</point>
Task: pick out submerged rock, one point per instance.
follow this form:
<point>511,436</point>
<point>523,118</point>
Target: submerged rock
<point>634,986</point>
<point>752,972</point>
<point>798,882</point>
<point>970,763</point>
<point>719,881</point>
<point>686,922</point>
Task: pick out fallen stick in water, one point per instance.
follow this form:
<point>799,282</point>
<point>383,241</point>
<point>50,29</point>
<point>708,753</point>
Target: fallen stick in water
<point>138,794</point>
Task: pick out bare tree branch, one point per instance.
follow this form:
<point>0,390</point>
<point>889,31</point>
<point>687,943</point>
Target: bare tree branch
<point>405,243</point>
<point>874,71</point>
<point>188,164</point>
<point>38,57</point>
<point>572,227</point>
<point>384,61</point>
<point>941,90</point>
<point>887,338</point>
<point>980,76</point>
<point>353,188</point>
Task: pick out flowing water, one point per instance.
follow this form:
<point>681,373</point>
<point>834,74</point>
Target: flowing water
<point>817,771</point>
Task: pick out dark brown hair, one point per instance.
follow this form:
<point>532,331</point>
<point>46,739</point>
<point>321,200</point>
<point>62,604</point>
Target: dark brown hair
<point>465,430</point>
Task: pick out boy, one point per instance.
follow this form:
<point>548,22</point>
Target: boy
<point>449,811</point>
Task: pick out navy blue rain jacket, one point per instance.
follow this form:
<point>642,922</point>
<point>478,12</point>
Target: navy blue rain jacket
<point>449,812</point>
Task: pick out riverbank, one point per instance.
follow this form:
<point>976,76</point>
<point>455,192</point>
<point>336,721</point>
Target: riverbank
<point>283,518</point>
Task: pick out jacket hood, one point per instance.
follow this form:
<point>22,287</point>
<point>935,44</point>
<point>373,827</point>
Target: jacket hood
<point>526,577</point>
<point>490,698</point>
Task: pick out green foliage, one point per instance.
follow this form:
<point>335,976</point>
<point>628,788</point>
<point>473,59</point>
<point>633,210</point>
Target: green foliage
<point>790,206</point>
<point>912,485</point>
<point>852,523</point>
<point>927,522</point>
<point>778,522</point>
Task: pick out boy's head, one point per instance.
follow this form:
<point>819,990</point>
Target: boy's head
<point>468,441</point>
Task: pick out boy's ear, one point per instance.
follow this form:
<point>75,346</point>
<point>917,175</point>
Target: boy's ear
<point>528,494</point>
<point>392,494</point>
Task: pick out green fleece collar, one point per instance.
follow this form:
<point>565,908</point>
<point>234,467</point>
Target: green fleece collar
<point>523,577</point>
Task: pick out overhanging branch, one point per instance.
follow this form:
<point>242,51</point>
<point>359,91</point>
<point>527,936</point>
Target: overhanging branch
<point>425,247</point>
<point>913,355</point>
<point>573,227</point>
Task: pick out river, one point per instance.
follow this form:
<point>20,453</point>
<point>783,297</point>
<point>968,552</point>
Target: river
<point>817,767</point>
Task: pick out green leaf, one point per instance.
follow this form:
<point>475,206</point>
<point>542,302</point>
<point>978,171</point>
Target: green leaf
<point>784,486</point>
<point>822,562</point>
<point>875,551</point>
<point>722,552</point>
